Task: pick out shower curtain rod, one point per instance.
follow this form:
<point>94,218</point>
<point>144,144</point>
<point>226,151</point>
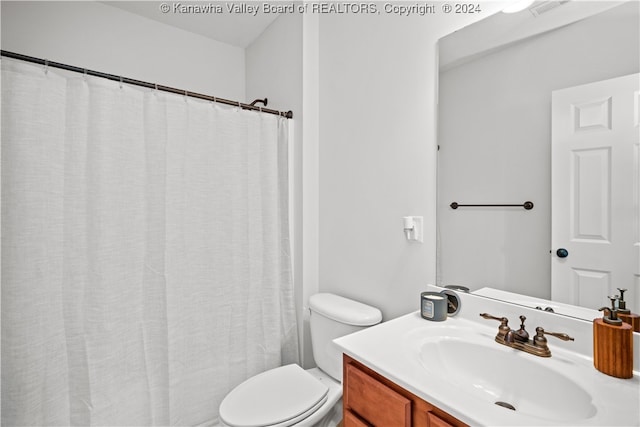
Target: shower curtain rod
<point>47,63</point>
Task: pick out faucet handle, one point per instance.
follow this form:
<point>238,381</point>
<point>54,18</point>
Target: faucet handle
<point>540,333</point>
<point>489,316</point>
<point>562,336</point>
<point>504,328</point>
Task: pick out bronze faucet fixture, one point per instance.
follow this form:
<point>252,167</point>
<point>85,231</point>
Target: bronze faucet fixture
<point>519,339</point>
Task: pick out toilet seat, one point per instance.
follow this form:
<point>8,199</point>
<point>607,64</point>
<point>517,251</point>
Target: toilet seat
<point>279,397</point>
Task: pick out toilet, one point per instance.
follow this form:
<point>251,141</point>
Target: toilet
<point>292,396</point>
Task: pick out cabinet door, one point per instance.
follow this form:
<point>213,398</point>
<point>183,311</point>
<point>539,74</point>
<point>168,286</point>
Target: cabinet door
<point>374,402</point>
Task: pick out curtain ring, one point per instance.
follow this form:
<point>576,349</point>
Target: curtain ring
<point>121,81</point>
<point>84,70</point>
<point>46,66</point>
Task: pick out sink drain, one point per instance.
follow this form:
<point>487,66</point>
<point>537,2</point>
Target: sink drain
<point>506,405</point>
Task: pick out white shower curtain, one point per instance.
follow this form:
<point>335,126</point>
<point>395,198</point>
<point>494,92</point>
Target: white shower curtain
<point>145,252</point>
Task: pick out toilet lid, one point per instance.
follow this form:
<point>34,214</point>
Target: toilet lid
<point>280,396</point>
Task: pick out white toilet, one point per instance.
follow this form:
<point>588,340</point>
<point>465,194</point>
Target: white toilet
<point>289,395</point>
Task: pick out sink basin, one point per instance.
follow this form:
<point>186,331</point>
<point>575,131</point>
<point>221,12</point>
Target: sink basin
<point>504,376</point>
<point>457,366</point>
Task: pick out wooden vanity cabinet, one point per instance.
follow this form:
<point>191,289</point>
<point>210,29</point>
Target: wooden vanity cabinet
<point>369,399</point>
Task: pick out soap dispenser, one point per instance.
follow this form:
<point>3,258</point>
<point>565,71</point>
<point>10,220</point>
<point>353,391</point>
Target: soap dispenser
<point>625,314</point>
<point>613,343</point>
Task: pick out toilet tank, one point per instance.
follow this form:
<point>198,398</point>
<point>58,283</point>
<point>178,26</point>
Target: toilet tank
<point>333,316</point>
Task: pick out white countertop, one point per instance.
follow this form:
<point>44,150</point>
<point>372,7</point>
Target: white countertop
<point>392,349</point>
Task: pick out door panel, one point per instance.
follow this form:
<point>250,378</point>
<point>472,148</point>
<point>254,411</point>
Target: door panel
<point>596,192</point>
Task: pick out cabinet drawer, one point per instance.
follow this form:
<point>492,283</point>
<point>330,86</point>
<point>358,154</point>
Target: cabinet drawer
<point>436,421</point>
<point>374,402</point>
<point>351,420</point>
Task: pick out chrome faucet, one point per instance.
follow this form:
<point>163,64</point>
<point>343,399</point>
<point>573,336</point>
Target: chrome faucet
<point>519,339</point>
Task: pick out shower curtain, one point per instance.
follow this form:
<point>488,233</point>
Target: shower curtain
<point>145,251</point>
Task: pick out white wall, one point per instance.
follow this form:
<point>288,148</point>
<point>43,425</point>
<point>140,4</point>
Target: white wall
<point>378,153</point>
<point>274,65</point>
<point>103,38</point>
<point>367,156</point>
<point>495,138</point>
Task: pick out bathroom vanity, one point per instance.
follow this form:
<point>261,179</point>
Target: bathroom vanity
<point>410,371</point>
<point>371,399</point>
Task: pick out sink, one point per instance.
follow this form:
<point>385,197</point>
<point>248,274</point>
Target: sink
<point>503,376</point>
<point>457,366</point>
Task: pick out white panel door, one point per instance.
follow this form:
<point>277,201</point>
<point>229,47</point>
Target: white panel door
<point>596,192</point>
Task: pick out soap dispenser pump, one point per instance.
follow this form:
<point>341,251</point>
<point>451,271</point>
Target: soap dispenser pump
<point>625,314</point>
<point>613,343</point>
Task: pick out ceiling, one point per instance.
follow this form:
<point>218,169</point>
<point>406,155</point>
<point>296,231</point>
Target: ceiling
<point>237,28</point>
<point>241,28</point>
<point>503,29</point>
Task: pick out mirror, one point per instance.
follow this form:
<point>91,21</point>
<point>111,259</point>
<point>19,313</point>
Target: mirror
<point>494,134</point>
<point>540,304</point>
